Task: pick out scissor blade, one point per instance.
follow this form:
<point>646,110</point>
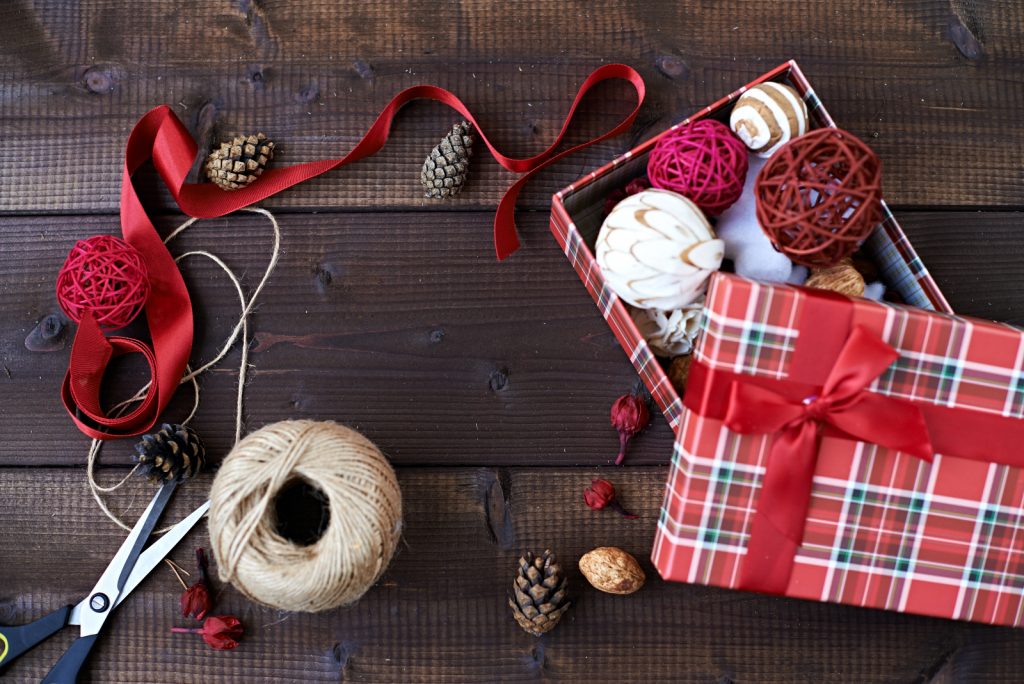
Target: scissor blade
<point>104,594</point>
<point>148,560</point>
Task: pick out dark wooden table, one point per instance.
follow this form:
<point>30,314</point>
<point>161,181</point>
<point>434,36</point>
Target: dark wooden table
<point>487,384</point>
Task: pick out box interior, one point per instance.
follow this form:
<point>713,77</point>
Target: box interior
<point>586,207</point>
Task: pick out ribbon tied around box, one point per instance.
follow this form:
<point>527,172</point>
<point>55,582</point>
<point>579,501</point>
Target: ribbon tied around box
<point>827,392</point>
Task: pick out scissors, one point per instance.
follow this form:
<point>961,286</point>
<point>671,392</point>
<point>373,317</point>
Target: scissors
<point>129,566</point>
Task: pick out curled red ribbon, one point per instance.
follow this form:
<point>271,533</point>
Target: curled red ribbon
<point>160,136</point>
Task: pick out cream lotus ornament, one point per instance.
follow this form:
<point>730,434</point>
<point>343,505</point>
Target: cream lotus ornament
<point>656,250</point>
<point>669,333</point>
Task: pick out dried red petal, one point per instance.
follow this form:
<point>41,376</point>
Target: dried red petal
<point>195,601</point>
<point>599,494</point>
<point>629,415</point>
<point>222,632</point>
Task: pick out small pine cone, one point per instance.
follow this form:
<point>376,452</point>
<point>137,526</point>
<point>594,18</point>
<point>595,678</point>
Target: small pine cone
<point>175,450</point>
<point>539,593</point>
<point>444,171</point>
<point>240,161</point>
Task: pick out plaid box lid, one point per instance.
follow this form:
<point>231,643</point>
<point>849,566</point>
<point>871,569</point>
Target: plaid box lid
<point>884,529</point>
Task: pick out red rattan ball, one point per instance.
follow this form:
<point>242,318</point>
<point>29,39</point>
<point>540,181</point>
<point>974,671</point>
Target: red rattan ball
<point>105,276</point>
<point>819,196</point>
<point>703,161</point>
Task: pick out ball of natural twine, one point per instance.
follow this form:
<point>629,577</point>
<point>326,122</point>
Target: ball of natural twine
<point>361,495</point>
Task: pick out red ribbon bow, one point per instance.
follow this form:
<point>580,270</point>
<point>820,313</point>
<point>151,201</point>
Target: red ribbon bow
<point>160,136</point>
<point>845,408</point>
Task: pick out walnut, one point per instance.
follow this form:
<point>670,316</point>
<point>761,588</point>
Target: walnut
<point>612,570</point>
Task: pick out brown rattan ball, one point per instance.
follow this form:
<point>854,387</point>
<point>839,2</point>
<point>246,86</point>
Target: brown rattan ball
<point>819,196</point>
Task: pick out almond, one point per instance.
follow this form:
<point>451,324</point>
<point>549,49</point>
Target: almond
<point>612,570</point>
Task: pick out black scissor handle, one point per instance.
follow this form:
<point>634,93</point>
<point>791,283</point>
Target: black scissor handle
<point>16,640</point>
<point>66,669</point>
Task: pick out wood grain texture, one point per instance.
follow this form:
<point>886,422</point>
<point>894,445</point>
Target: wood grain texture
<point>439,614</point>
<point>934,86</point>
<point>389,313</point>
<point>405,327</point>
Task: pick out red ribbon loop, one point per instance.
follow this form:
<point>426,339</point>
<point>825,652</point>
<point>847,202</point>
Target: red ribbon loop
<point>845,405</point>
<point>160,136</point>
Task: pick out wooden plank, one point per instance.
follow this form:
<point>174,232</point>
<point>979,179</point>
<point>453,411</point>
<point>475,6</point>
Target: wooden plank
<point>406,327</point>
<point>439,613</point>
<point>977,259</point>
<point>929,83</point>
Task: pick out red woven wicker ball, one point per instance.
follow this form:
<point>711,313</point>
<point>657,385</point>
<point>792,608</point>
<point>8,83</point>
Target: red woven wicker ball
<point>105,276</point>
<point>703,161</point>
<point>819,196</point>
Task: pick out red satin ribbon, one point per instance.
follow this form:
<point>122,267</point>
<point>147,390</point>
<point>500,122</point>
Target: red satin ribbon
<point>829,397</point>
<point>843,404</point>
<point>160,136</point>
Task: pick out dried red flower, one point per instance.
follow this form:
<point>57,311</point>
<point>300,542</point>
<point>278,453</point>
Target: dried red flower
<point>221,632</point>
<point>196,601</point>
<point>629,416</point>
<point>638,184</point>
<point>601,494</point>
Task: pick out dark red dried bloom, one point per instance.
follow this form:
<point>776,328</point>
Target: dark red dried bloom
<point>629,416</point>
<point>601,493</point>
<point>196,601</point>
<point>220,632</point>
<point>637,185</point>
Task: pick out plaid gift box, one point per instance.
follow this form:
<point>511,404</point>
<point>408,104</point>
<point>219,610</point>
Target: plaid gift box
<point>578,211</point>
<point>883,529</point>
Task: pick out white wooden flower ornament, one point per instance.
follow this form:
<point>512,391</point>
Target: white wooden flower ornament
<point>656,250</point>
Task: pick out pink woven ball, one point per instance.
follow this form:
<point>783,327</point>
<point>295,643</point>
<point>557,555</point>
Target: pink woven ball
<point>703,161</point>
<point>105,276</point>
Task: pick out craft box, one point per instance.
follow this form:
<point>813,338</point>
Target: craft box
<point>880,533</point>
<point>578,211</point>
<point>883,528</point>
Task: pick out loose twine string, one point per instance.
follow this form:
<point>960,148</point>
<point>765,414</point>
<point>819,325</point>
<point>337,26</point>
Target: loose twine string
<point>241,328</point>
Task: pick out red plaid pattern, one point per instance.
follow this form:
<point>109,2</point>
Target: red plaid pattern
<point>884,530</point>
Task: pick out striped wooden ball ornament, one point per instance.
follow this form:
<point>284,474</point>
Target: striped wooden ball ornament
<point>768,116</point>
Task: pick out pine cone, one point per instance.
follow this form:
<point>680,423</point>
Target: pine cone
<point>444,171</point>
<point>539,593</point>
<point>240,161</point>
<point>174,450</point>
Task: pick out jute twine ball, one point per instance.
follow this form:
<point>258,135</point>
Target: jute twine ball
<point>819,196</point>
<point>702,161</point>
<point>361,495</point>
<point>106,277</point>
